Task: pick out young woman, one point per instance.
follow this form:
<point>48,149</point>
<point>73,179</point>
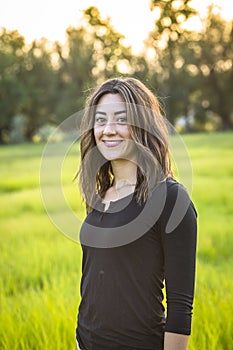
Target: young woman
<point>140,229</point>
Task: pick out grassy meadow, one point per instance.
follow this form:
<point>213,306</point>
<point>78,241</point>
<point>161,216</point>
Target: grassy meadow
<point>40,267</point>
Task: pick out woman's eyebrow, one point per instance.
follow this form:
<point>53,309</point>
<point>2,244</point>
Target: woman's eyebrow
<point>120,112</point>
<point>99,112</point>
<point>115,113</point>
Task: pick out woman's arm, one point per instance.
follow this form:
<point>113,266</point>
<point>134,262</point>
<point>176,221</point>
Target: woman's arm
<point>179,247</point>
<point>174,341</point>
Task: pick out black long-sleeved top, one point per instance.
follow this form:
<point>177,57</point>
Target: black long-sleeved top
<point>128,253</point>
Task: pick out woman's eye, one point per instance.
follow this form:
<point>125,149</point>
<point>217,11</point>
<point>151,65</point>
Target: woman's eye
<point>100,120</point>
<point>122,120</point>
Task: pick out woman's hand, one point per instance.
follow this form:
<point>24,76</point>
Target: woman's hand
<point>174,341</point>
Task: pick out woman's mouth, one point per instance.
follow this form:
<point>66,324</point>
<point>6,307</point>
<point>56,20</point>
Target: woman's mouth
<point>112,143</point>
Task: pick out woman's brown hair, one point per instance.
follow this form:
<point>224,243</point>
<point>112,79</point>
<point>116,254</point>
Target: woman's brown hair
<point>148,129</point>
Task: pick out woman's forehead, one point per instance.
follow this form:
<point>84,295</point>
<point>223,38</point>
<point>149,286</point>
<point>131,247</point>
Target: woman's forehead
<point>111,103</point>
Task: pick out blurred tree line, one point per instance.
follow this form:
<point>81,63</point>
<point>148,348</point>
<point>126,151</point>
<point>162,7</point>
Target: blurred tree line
<point>43,83</point>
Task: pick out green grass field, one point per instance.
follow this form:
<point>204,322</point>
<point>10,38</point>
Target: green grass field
<point>40,267</point>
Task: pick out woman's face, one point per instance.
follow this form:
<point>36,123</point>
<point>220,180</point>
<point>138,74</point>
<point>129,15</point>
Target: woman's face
<point>111,130</point>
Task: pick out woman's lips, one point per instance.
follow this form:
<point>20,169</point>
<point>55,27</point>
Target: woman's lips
<point>112,143</point>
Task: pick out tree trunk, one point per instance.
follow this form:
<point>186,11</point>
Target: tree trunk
<point>226,122</point>
<point>2,138</point>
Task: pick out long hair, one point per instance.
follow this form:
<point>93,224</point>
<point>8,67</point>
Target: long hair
<point>148,130</point>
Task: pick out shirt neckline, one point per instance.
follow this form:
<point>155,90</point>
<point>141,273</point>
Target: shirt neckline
<point>114,203</point>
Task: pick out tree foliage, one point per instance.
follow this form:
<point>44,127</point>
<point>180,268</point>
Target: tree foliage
<point>37,76</point>
<point>11,91</point>
<point>213,55</point>
<point>194,69</point>
<point>169,38</point>
<point>191,71</point>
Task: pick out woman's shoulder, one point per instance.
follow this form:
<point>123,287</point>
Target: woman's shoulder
<point>178,206</point>
<point>175,189</point>
<point>172,183</point>
<point>177,196</point>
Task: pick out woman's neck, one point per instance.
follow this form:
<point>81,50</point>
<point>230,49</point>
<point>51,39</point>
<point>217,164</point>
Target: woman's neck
<point>125,172</point>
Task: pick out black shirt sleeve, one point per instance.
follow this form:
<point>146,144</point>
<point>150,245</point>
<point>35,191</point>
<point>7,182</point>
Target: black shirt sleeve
<point>178,227</point>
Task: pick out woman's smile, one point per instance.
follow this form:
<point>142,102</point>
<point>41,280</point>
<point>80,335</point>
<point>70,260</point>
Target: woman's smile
<point>112,143</point>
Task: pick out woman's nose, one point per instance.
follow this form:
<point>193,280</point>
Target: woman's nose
<point>110,128</point>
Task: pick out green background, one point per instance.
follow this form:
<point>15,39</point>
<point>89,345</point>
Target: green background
<point>40,268</point>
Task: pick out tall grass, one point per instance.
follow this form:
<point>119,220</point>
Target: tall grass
<point>212,193</point>
<point>40,268</point>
